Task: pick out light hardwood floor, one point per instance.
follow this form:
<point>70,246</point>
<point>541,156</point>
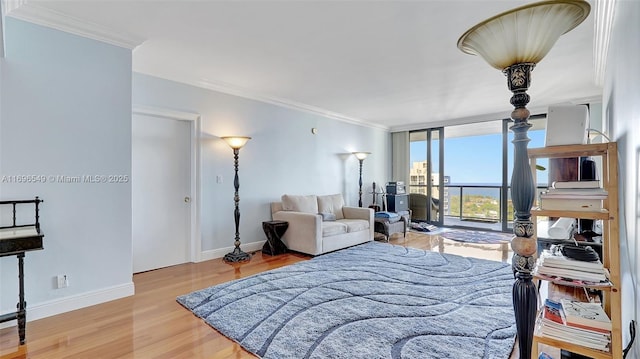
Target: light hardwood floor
<point>151,324</point>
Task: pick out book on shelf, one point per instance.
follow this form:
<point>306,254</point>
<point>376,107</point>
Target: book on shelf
<point>577,192</point>
<point>562,333</point>
<point>552,323</point>
<point>570,273</point>
<point>553,257</point>
<point>570,204</point>
<point>578,196</point>
<point>552,310</point>
<point>571,281</point>
<point>576,184</point>
<point>590,315</point>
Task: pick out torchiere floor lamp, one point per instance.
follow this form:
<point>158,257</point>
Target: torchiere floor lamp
<point>514,42</point>
<point>360,156</point>
<point>236,143</point>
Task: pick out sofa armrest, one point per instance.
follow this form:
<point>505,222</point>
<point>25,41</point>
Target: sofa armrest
<point>358,213</point>
<point>304,233</point>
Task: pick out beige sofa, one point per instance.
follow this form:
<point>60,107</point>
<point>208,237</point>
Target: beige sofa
<point>321,224</point>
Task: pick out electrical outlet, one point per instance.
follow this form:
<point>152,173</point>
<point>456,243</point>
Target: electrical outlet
<point>63,281</point>
<point>218,179</point>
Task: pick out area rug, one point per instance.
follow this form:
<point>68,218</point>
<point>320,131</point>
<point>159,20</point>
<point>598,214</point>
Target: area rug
<point>374,300</point>
<point>476,236</point>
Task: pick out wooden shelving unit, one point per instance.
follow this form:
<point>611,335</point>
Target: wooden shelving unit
<point>608,152</point>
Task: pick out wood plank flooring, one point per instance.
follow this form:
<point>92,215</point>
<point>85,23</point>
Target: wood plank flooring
<point>151,324</point>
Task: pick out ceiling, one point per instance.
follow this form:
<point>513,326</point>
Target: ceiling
<point>388,64</point>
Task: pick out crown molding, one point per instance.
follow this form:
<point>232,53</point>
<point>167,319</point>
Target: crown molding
<point>538,110</point>
<point>241,92</point>
<point>234,90</point>
<point>602,36</point>
<point>27,11</point>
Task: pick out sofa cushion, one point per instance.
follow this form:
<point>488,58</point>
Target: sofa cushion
<point>355,225</point>
<point>332,203</point>
<point>306,204</point>
<point>333,228</point>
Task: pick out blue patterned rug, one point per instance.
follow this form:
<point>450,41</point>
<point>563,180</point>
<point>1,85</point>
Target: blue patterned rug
<point>470,236</point>
<point>374,300</point>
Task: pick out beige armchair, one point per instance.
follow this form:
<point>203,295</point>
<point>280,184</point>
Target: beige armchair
<point>321,224</point>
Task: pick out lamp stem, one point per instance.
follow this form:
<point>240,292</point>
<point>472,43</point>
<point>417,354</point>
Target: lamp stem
<point>522,196</point>
<point>237,255</point>
<point>360,183</point>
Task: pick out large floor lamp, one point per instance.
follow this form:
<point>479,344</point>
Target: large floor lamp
<point>514,42</point>
<point>360,156</point>
<point>236,143</point>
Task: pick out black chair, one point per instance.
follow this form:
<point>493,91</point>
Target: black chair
<point>418,205</point>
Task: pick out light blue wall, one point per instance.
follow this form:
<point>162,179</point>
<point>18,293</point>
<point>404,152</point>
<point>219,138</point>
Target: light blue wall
<point>282,157</point>
<point>621,110</point>
<point>66,111</point>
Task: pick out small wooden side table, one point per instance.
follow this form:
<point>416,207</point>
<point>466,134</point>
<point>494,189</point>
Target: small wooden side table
<point>274,231</point>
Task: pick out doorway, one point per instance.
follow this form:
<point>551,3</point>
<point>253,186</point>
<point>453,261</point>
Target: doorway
<point>161,188</point>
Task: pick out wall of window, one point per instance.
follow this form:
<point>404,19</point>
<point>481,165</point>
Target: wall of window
<point>475,173</point>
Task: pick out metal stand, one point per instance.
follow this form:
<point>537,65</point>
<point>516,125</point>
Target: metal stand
<point>522,195</point>
<point>237,255</point>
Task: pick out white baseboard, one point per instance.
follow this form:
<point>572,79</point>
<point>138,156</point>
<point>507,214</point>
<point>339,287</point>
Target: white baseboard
<point>73,302</point>
<point>83,300</point>
<point>220,252</point>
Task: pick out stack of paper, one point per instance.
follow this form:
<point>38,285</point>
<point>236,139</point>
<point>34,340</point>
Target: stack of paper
<point>553,264</point>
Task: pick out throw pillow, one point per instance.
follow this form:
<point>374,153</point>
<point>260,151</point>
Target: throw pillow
<point>306,204</point>
<point>326,217</point>
<point>332,203</point>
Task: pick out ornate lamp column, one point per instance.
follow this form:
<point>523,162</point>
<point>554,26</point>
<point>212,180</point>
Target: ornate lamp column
<point>514,42</point>
<point>360,156</point>
<point>236,143</point>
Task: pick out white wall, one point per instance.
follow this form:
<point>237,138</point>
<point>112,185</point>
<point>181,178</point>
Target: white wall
<point>621,110</point>
<point>282,157</point>
<point>66,110</point>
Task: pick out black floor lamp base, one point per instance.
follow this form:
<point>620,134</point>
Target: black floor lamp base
<point>237,256</point>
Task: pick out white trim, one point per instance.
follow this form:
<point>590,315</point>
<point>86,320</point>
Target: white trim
<point>73,302</point>
<point>195,242</point>
<point>10,5</point>
<point>489,117</point>
<point>37,14</point>
<point>220,252</point>
<point>245,93</point>
<point>2,50</point>
<point>603,25</point>
<point>165,113</point>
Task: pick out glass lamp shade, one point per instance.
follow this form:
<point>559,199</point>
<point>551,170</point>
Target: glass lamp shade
<point>361,155</point>
<point>236,142</point>
<point>524,34</point>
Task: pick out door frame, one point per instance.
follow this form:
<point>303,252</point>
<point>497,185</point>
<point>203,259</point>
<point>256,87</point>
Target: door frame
<point>194,243</point>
